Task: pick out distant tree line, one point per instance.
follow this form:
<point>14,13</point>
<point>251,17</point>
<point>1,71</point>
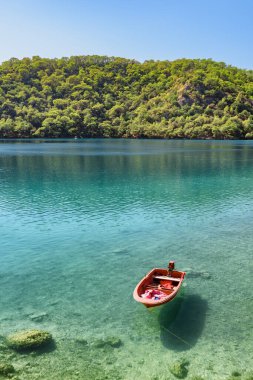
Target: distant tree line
<point>98,96</point>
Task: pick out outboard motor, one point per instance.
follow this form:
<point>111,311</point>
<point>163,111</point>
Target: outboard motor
<point>171,266</point>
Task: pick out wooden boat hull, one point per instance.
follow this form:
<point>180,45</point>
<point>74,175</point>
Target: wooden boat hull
<point>158,287</point>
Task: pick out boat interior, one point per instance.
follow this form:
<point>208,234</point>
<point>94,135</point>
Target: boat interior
<point>163,283</point>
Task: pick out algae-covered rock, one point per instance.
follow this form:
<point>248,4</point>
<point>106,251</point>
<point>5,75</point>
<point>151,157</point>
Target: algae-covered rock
<point>29,339</point>
<point>6,368</point>
<point>179,369</point>
<point>108,342</point>
<point>249,376</point>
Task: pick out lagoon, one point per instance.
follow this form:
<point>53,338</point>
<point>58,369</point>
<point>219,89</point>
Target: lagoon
<point>83,220</point>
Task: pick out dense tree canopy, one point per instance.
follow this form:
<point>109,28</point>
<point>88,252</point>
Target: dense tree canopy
<point>97,96</point>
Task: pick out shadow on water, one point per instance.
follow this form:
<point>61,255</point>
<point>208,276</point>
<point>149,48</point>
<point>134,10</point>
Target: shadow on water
<point>182,322</point>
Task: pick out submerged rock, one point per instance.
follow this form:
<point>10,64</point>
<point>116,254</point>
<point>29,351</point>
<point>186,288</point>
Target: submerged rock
<point>119,251</point>
<point>3,347</point>
<point>179,369</point>
<point>82,341</point>
<point>108,342</point>
<point>29,339</point>
<point>235,376</point>
<point>6,368</point>
<point>39,317</point>
<point>198,274</point>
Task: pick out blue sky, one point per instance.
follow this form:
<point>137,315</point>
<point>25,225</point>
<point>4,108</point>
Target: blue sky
<point>139,29</point>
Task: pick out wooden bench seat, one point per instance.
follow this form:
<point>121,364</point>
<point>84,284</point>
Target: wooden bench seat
<point>167,278</point>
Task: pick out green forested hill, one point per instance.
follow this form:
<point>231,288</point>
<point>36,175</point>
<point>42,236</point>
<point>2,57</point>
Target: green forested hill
<point>95,96</point>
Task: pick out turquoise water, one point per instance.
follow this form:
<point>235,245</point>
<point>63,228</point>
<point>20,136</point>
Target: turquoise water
<point>82,221</point>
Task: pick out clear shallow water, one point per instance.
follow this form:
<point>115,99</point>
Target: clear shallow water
<point>82,221</point>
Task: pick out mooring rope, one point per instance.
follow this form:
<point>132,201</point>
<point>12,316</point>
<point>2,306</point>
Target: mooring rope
<point>170,332</point>
<point>178,337</point>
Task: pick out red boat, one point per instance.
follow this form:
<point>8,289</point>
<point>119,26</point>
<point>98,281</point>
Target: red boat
<point>159,286</point>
